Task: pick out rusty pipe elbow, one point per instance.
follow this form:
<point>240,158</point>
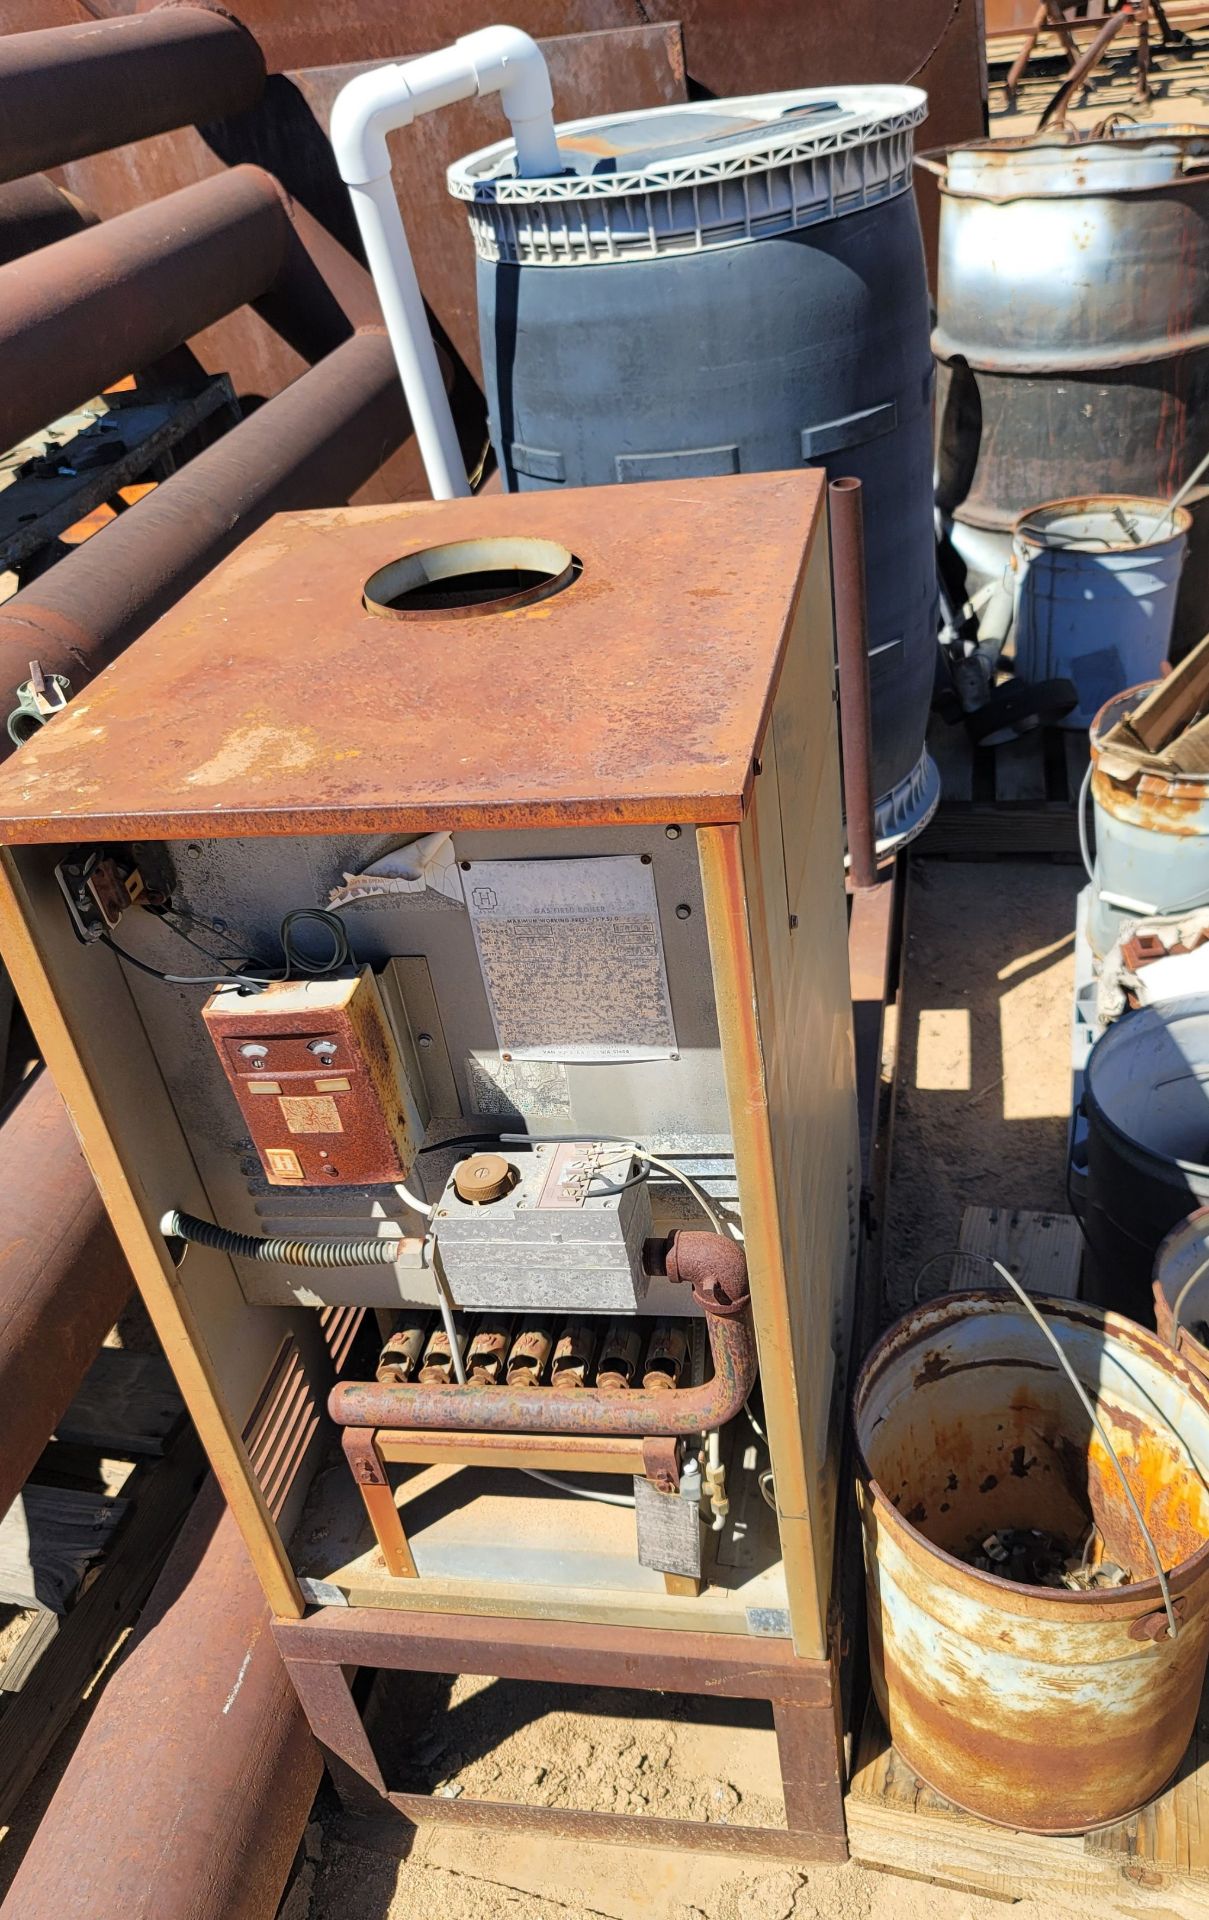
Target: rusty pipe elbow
<point>713,1266</point>
<point>693,1410</point>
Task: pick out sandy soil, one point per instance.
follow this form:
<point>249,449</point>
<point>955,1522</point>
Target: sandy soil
<point>984,1094</point>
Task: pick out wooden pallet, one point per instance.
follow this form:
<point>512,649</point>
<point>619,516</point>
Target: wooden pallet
<point>1043,1250</point>
<point>82,1546</point>
<point>1019,798</point>
<point>1157,1861</point>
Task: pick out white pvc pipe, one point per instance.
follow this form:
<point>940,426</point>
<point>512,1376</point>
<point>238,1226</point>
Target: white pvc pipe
<point>499,60</point>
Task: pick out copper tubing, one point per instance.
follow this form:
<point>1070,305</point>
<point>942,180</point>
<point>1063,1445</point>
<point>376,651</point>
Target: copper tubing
<point>63,1279</point>
<point>83,312</point>
<point>66,92</point>
<point>191,1784</point>
<point>844,498</point>
<point>716,1270</point>
<point>312,445</point>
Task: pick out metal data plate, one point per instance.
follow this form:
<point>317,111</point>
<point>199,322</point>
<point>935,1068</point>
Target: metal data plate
<point>669,1530</point>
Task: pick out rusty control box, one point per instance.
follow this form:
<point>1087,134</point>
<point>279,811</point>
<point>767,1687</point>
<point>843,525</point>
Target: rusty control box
<point>453,1002</point>
<point>319,1080</point>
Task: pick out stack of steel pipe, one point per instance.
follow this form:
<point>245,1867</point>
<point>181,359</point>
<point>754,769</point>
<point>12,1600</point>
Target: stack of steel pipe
<point>198,1737</point>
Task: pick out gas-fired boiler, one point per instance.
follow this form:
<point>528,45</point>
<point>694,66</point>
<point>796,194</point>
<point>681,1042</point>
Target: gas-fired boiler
<point>436,928</point>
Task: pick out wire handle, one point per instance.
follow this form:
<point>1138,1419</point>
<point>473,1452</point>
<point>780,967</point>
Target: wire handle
<point>1030,1307</point>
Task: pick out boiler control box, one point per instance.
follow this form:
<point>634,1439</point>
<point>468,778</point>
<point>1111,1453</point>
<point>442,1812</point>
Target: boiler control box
<point>562,1230</point>
<point>319,1079</point>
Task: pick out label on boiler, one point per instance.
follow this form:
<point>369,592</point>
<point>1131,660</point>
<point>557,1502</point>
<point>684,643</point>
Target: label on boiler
<point>571,953</point>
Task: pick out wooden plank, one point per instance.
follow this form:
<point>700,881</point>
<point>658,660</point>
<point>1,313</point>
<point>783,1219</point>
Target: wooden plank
<point>1020,768</point>
<point>1032,827</point>
<point>128,1403</point>
<point>1174,702</point>
<point>49,1538</point>
<point>23,1659</point>
<point>1152,1863</point>
<point>1044,1251</point>
<point>31,1721</point>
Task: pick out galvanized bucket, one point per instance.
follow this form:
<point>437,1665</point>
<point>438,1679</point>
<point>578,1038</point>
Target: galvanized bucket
<point>1152,835</point>
<point>1146,1098</point>
<point>1034,1707</point>
<point>1181,1287</point>
<point>1096,593</point>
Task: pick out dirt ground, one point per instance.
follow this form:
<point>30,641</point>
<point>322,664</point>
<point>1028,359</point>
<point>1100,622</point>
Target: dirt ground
<point>984,1088</point>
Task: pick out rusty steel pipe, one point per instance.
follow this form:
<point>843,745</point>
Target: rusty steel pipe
<point>66,92</point>
<point>1056,109</point>
<point>83,312</point>
<point>312,445</point>
<point>34,212</point>
<point>845,503</point>
<point>191,1784</point>
<point>63,1278</point>
<point>716,1270</point>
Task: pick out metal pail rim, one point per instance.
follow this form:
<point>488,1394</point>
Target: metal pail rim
<point>1118,1603</point>
<point>1150,508</point>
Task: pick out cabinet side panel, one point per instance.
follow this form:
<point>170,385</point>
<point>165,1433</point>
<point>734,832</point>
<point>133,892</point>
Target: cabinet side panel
<point>93,1042</point>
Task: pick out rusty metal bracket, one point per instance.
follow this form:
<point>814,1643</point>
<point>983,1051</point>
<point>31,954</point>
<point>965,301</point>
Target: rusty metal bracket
<point>661,1462</point>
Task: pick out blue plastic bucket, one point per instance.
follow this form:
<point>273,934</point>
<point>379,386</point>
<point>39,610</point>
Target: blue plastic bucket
<point>1096,593</point>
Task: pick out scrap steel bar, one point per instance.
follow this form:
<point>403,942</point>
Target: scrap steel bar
<point>312,445</point>
<point>1090,58</point>
<point>63,1279</point>
<point>70,91</point>
<point>852,654</point>
<point>191,1784</point>
<point>81,313</point>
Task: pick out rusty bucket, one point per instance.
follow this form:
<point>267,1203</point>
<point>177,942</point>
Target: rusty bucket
<point>1181,1287</point>
<point>1039,1708</point>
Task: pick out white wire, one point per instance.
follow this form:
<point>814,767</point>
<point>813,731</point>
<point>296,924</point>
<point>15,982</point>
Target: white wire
<point>424,1207</point>
<point>445,1300</point>
<point>584,1493</point>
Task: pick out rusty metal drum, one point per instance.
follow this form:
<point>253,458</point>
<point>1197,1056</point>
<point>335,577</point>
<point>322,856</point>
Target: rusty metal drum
<point>1152,834</point>
<point>1035,1707</point>
<point>1181,1290</point>
<point>1072,332</point>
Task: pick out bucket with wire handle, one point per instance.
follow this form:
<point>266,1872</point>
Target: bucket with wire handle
<point>1033,1481</point>
<point>1097,580</point>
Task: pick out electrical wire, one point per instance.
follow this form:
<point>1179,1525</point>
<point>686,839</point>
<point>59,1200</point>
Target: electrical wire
<point>584,1493</point>
<point>294,963</point>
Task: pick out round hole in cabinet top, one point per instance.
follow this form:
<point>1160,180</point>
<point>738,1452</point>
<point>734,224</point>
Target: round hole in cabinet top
<point>489,575</point>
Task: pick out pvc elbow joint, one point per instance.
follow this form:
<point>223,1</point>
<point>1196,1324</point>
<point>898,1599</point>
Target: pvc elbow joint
<point>495,59</point>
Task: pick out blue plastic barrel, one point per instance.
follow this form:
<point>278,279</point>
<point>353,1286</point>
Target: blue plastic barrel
<point>724,287</point>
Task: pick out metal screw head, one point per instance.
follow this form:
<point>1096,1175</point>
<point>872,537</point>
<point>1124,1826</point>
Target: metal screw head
<point>683,911</point>
<point>672,833</point>
<point>423,1039</point>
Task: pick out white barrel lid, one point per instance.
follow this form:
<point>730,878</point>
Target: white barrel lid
<point>1063,164</point>
<point>683,178</point>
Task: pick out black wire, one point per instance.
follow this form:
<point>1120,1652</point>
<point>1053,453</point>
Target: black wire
<point>181,979</point>
<point>342,955</point>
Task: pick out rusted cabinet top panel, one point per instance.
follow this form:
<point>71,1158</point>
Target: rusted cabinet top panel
<point>271,701</point>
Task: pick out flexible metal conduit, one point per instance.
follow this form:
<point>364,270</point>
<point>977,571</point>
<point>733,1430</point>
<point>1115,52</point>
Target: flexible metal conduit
<point>81,313</point>
<point>70,91</point>
<point>715,1268</point>
<point>499,60</point>
<point>63,1278</point>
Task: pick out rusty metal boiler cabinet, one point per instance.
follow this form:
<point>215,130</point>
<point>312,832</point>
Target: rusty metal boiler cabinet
<point>436,927</point>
